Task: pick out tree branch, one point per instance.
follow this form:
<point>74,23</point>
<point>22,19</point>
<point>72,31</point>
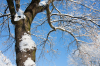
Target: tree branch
<point>48,16</point>
<point>55,28</point>
<point>80,17</point>
<point>4,15</point>
<point>17,4</point>
<point>34,8</point>
<point>5,10</point>
<point>62,29</point>
<point>11,7</point>
<point>48,36</point>
<point>84,5</point>
<point>55,7</point>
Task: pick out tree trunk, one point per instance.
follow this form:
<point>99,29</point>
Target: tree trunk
<point>20,28</point>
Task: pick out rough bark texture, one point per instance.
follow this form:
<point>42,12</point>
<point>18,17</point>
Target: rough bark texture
<point>23,26</point>
<point>17,4</point>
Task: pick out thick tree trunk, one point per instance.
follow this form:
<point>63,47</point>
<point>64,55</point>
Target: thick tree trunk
<point>22,27</point>
<point>21,56</point>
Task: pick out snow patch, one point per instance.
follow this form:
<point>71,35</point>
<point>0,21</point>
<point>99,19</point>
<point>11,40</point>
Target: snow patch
<point>43,3</point>
<point>25,56</point>
<point>19,15</point>
<point>26,43</point>
<point>29,62</point>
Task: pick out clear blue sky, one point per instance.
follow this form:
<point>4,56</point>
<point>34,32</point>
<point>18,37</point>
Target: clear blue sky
<point>61,40</point>
<point>59,59</point>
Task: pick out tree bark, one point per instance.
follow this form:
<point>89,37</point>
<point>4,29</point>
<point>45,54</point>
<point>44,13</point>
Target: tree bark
<point>21,28</point>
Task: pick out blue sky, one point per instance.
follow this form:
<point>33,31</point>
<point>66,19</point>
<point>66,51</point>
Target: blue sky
<point>59,59</point>
<point>58,37</point>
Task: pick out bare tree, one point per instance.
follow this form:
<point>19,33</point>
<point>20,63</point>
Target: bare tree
<point>79,19</point>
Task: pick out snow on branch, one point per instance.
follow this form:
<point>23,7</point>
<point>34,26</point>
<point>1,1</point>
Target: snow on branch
<point>80,17</point>
<point>55,7</point>
<point>43,3</point>
<point>84,5</point>
<point>4,15</point>
<point>26,43</point>
<point>86,54</point>
<point>63,29</point>
<point>19,15</point>
<point>4,61</point>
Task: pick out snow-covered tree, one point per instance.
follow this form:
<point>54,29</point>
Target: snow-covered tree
<point>87,54</point>
<point>4,61</point>
<point>76,19</point>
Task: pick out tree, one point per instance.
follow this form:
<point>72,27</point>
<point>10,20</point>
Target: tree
<point>77,19</point>
<point>89,53</point>
<point>4,61</point>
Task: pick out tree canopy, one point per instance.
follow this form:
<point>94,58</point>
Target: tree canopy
<point>73,24</point>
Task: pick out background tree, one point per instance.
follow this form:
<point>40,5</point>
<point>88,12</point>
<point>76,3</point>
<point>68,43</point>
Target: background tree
<point>75,19</point>
<point>89,53</point>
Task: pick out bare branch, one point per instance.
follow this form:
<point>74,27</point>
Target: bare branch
<point>17,4</point>
<point>48,16</point>
<point>48,36</point>
<point>5,10</point>
<point>80,17</point>
<point>84,5</point>
<point>62,29</point>
<point>4,15</point>
<point>11,7</point>
<point>55,7</point>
